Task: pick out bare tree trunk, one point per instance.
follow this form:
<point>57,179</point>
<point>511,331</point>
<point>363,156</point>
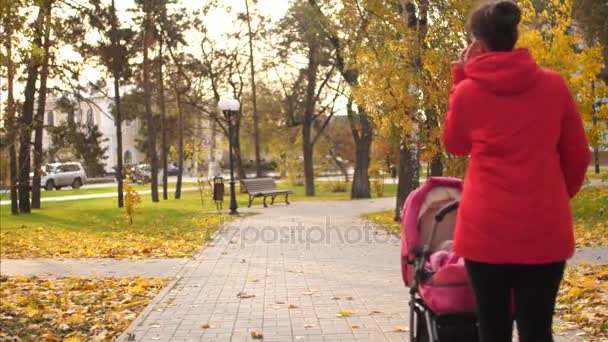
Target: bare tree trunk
<point>436,165</point>
<point>10,115</point>
<point>236,148</point>
<point>596,149</point>
<point>148,104</point>
<point>307,152</point>
<point>118,118</point>
<point>256,130</point>
<point>409,173</point>
<point>180,151</point>
<point>309,111</point>
<point>163,113</point>
<point>25,121</point>
<point>363,135</point>
<point>39,118</point>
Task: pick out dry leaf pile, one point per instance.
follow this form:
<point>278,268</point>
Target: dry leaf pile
<point>72,309</point>
<point>118,242</point>
<point>583,299</point>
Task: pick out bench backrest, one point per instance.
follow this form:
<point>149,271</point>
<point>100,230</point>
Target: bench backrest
<point>259,184</point>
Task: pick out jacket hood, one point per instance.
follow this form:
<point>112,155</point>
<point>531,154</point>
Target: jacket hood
<point>504,73</point>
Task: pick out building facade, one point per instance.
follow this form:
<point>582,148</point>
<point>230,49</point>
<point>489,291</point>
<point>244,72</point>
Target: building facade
<point>96,111</point>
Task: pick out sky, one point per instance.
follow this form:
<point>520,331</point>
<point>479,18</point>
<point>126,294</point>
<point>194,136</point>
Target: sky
<point>218,22</point>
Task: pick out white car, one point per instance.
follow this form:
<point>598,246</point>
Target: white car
<point>58,175</point>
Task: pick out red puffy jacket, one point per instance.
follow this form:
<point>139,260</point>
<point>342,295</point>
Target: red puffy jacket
<point>529,154</point>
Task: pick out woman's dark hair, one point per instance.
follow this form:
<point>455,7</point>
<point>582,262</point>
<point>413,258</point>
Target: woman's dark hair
<point>495,23</point>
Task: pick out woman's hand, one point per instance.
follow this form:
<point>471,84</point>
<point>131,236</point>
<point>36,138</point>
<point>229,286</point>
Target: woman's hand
<point>476,48</point>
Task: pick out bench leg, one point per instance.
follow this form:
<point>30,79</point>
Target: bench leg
<point>250,201</point>
<point>287,199</point>
<point>272,202</point>
<point>265,205</point>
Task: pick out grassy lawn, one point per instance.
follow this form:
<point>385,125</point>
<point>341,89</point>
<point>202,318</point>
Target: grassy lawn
<point>96,228</point>
<point>104,190</point>
<point>72,309</point>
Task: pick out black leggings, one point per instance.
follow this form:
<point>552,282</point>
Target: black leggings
<point>532,289</point>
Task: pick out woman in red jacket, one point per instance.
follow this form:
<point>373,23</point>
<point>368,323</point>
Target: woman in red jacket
<point>529,154</point>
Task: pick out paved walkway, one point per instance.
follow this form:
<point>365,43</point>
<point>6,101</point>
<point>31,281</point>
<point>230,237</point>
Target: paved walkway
<point>288,274</point>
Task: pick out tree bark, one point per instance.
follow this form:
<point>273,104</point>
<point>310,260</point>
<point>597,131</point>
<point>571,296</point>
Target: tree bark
<point>148,104</point>
<point>236,148</point>
<point>39,117</point>
<point>361,127</point>
<point>10,116</point>
<point>436,164</point>
<point>307,153</point>
<point>25,121</point>
<point>163,124</point>
<point>118,118</point>
<point>409,172</point>
<point>309,111</point>
<point>596,149</point>
<point>180,148</point>
<point>256,131</point>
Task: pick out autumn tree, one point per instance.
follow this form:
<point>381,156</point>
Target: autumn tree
<point>254,98</point>
<point>27,110</point>
<point>147,37</point>
<point>41,101</point>
<point>346,37</point>
<point>11,23</point>
<point>303,38</point>
<point>112,51</point>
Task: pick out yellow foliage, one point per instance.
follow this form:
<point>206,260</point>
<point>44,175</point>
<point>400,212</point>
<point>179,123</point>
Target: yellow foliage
<point>404,83</point>
<point>72,309</point>
<point>131,200</point>
<point>125,242</point>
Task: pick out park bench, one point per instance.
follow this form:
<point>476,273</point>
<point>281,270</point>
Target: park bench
<point>263,187</point>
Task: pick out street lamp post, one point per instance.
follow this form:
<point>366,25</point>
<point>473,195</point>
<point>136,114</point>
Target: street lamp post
<point>229,107</point>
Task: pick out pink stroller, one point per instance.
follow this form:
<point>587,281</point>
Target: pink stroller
<point>442,307</point>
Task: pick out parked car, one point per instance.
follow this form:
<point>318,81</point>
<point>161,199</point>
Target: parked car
<point>142,174</point>
<point>172,169</point>
<point>58,175</point>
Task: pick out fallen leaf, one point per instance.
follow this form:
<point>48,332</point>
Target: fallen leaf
<point>400,329</point>
<point>256,335</point>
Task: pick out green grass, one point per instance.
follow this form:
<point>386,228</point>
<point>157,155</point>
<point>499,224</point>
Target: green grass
<point>590,225</point>
<point>97,228</point>
<point>91,191</point>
